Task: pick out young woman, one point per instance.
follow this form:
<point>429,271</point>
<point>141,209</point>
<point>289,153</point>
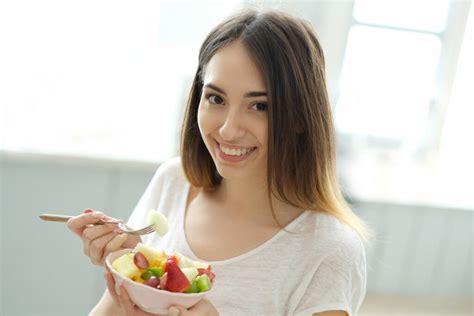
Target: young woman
<point>255,191</point>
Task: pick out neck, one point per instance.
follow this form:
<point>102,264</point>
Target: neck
<point>249,202</point>
<point>243,194</point>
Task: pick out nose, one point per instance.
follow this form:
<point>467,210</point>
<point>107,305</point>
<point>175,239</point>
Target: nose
<point>233,126</point>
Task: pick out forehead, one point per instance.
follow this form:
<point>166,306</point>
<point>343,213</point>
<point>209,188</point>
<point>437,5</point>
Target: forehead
<point>232,68</point>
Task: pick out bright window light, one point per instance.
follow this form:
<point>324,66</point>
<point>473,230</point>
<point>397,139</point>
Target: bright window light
<point>457,150</point>
<point>424,15</point>
<point>387,83</point>
<point>99,78</point>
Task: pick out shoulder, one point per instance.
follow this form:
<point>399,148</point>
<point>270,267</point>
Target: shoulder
<point>168,177</point>
<point>171,167</point>
<point>170,172</point>
<point>337,267</point>
<point>337,240</point>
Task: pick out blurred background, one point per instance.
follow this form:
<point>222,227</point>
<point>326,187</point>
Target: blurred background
<point>91,100</point>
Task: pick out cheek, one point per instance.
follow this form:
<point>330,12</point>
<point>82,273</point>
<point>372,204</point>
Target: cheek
<point>262,133</point>
<point>206,121</point>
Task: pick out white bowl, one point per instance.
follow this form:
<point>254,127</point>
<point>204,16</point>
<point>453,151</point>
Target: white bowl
<point>149,299</point>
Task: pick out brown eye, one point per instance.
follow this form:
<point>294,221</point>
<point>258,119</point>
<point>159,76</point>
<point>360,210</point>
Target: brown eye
<point>260,106</point>
<point>214,99</point>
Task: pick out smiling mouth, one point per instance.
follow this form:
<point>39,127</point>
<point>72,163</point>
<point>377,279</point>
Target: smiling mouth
<point>242,152</point>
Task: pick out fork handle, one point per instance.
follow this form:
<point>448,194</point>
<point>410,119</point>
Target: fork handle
<point>61,218</point>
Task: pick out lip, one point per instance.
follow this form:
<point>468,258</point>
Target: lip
<point>233,146</point>
<point>229,158</point>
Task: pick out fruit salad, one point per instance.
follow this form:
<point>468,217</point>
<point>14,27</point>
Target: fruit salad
<point>173,273</point>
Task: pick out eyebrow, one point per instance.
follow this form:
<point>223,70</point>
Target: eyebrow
<point>251,94</point>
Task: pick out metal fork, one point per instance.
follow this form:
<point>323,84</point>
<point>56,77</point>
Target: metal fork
<point>142,231</point>
<point>124,228</point>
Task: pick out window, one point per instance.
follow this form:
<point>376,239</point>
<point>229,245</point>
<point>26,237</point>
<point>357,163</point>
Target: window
<point>388,78</point>
<point>390,68</point>
<point>456,150</point>
<point>395,90</point>
<point>99,78</point>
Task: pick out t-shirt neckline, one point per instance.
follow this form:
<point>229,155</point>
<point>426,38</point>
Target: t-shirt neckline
<point>259,248</point>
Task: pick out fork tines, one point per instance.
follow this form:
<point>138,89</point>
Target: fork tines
<point>145,230</point>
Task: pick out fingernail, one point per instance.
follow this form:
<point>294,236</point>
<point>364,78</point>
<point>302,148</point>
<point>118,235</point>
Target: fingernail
<point>88,211</point>
<point>173,311</point>
<point>98,215</point>
<point>121,235</point>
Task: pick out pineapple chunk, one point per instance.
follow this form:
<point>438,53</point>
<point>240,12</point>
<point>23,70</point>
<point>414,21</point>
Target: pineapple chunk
<point>185,262</point>
<point>151,254</point>
<point>125,266</point>
<point>190,273</point>
<point>160,263</point>
<point>138,279</point>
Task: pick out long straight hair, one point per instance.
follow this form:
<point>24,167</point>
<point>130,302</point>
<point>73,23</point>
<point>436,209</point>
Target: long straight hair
<point>301,165</point>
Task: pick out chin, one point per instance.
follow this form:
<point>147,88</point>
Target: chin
<point>229,172</point>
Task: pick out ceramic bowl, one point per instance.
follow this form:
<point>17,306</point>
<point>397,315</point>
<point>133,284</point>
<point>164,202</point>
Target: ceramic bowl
<point>147,298</point>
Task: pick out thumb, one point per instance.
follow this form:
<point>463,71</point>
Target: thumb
<point>177,310</point>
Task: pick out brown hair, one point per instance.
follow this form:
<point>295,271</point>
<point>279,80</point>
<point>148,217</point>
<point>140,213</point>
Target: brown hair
<point>301,162</point>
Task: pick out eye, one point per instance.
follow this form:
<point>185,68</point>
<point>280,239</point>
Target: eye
<point>260,106</point>
<point>214,99</point>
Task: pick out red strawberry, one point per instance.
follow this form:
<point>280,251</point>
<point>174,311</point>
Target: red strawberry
<point>176,280</point>
<point>202,271</point>
<point>172,258</point>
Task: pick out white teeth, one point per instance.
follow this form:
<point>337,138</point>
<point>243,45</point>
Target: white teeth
<point>235,152</point>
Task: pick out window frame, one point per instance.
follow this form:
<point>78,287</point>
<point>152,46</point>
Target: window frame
<point>451,41</point>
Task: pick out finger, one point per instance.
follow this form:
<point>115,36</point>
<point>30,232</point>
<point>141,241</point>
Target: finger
<point>87,211</point>
<point>78,223</point>
<point>111,285</point>
<point>94,240</point>
<point>125,302</point>
<point>115,244</point>
<point>176,310</point>
<point>203,307</point>
<point>95,249</point>
<point>131,241</point>
<point>93,232</point>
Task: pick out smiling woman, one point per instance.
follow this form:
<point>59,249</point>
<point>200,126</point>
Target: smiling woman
<point>254,192</point>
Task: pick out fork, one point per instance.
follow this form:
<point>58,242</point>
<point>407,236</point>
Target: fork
<point>124,228</point>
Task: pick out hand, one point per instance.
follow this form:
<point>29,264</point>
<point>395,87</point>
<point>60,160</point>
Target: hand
<point>100,240</point>
<point>121,298</point>
<point>202,308</point>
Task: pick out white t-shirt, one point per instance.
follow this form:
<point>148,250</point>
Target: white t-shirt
<point>322,267</point>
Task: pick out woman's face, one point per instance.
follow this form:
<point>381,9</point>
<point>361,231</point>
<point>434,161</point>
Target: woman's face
<point>232,115</point>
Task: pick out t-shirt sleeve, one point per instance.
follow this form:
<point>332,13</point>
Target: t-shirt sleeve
<point>339,283</point>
